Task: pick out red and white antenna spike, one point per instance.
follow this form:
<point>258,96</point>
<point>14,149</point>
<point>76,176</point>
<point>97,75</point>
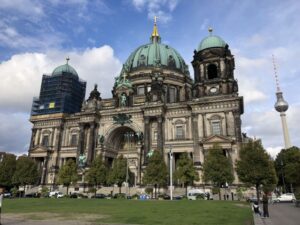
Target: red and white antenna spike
<point>275,73</point>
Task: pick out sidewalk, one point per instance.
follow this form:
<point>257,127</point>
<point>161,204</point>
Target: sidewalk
<point>258,220</point>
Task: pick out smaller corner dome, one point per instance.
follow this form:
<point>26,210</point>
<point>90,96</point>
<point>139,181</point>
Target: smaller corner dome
<point>66,68</point>
<point>211,41</point>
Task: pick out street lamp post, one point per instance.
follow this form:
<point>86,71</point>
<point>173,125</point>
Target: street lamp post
<point>171,172</point>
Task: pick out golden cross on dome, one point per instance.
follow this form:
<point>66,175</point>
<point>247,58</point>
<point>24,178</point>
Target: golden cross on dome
<point>68,58</point>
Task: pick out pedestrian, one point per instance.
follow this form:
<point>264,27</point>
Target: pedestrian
<point>1,199</point>
<point>255,208</point>
<point>265,201</point>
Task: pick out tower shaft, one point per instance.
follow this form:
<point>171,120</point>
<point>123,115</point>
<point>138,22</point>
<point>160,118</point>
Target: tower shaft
<point>287,142</point>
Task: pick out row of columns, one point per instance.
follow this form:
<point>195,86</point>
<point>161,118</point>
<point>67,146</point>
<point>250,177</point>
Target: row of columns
<point>87,139</point>
<point>147,130</point>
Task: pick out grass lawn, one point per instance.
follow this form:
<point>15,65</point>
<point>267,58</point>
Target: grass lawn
<point>182,212</point>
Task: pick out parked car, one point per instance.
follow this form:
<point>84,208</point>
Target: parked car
<point>99,196</point>
<point>53,194</point>
<point>287,197</point>
<point>7,195</point>
<point>32,195</point>
<point>60,195</point>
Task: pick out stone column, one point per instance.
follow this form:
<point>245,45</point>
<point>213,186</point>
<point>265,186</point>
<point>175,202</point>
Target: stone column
<point>32,139</point>
<point>57,146</point>
<point>91,145</point>
<point>37,138</point>
<point>195,137</point>
<point>237,125</point>
<point>80,149</point>
<point>187,127</point>
<point>160,144</point>
<point>146,136</point>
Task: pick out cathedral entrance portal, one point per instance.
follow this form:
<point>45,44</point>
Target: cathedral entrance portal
<point>124,141</point>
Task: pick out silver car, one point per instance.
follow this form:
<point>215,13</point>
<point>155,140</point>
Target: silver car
<point>287,197</point>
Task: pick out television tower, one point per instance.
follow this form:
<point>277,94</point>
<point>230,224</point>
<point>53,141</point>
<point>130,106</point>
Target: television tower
<point>281,106</point>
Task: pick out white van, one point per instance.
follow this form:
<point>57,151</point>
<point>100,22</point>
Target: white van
<point>193,193</point>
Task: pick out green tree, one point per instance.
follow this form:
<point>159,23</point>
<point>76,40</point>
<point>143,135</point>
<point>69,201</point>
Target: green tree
<point>186,172</point>
<point>26,172</point>
<point>256,167</point>
<point>217,168</point>
<point>287,165</point>
<point>7,170</point>
<point>119,172</point>
<point>97,174</point>
<point>156,172</point>
<point>67,174</point>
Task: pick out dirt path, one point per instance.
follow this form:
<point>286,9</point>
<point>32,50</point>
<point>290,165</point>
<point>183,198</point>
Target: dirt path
<point>49,219</point>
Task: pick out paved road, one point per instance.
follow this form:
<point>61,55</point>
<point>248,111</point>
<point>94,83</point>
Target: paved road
<point>280,214</point>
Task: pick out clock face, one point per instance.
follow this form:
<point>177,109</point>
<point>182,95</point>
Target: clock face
<point>213,90</point>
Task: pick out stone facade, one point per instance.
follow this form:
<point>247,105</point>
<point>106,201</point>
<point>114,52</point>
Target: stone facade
<point>155,107</point>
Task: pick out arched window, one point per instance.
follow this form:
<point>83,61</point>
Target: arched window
<point>142,60</point>
<point>171,61</point>
<point>45,140</point>
<point>216,125</point>
<point>172,94</point>
<point>141,90</point>
<point>73,140</point>
<point>179,130</point>
<point>212,71</point>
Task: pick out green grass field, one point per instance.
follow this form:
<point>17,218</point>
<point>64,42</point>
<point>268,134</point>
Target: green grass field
<point>181,212</point>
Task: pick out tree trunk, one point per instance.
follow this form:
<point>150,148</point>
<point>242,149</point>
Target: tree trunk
<point>95,190</point>
<point>220,198</point>
<point>67,189</point>
<point>257,193</point>
<point>120,186</point>
<point>155,191</point>
<point>186,190</point>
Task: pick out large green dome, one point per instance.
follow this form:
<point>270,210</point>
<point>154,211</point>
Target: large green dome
<point>156,54</point>
<point>66,68</point>
<point>211,41</point>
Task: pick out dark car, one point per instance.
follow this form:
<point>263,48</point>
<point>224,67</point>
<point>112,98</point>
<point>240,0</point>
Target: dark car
<point>99,196</point>
<point>32,195</point>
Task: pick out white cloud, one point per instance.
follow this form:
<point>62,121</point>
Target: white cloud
<point>21,75</point>
<point>250,82</point>
<point>10,37</point>
<point>160,8</point>
<point>27,7</point>
<point>14,132</point>
<point>273,151</point>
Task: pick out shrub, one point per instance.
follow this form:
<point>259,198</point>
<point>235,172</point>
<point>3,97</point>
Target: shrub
<point>215,190</point>
<point>135,196</point>
<point>200,196</point>
<point>120,196</point>
<point>45,192</point>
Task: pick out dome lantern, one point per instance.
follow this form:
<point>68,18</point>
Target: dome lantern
<point>66,68</point>
<point>211,41</point>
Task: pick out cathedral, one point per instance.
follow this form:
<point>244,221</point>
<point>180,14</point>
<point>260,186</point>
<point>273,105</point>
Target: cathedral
<point>155,106</point>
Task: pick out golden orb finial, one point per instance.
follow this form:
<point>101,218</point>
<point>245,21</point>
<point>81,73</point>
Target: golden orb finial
<point>210,30</point>
<point>67,59</point>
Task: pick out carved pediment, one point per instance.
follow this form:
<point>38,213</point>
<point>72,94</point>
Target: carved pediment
<point>215,139</point>
<point>39,149</point>
<point>222,141</point>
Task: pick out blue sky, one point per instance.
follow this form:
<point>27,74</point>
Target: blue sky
<point>98,35</point>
